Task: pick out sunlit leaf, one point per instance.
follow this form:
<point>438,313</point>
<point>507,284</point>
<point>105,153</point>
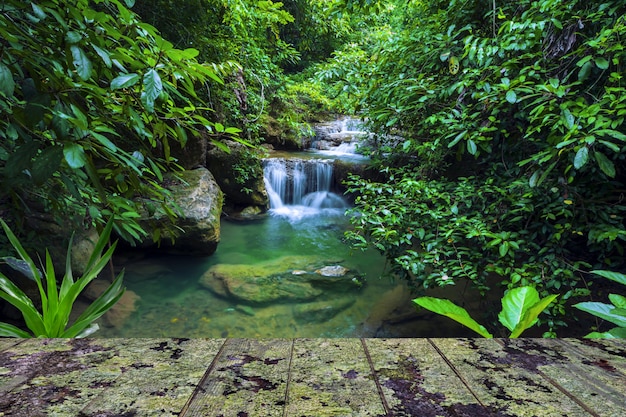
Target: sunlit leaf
<point>511,97</point>
<point>514,305</point>
<point>581,157</point>
<point>74,155</point>
<point>449,309</point>
<point>152,87</point>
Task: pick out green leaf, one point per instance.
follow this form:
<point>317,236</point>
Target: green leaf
<point>584,71</point>
<point>38,11</point>
<point>449,309</point>
<point>602,63</point>
<point>81,63</point>
<point>152,88</point>
<point>615,333</point>
<point>104,55</point>
<point>74,155</point>
<point>568,119</point>
<point>72,37</point>
<point>581,157</point>
<point>530,316</point>
<point>617,300</point>
<point>515,303</point>
<point>7,84</point>
<point>603,311</point>
<point>605,164</point>
<point>613,133</point>
<point>9,330</point>
<point>614,276</point>
<point>457,138</point>
<point>511,97</point>
<point>124,81</point>
<point>471,147</point>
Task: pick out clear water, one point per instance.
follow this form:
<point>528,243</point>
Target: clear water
<point>173,304</point>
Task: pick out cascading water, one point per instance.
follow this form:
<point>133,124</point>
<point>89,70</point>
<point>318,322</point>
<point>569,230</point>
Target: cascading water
<point>299,188</point>
<point>339,139</point>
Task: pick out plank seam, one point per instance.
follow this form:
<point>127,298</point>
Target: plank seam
<point>379,388</point>
<point>560,388</point>
<point>198,388</point>
<point>457,373</point>
<point>293,343</point>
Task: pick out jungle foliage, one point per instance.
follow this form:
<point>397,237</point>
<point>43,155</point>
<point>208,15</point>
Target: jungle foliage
<point>501,129</point>
<point>92,100</point>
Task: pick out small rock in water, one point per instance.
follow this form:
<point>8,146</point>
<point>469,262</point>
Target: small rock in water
<point>298,272</point>
<point>332,271</point>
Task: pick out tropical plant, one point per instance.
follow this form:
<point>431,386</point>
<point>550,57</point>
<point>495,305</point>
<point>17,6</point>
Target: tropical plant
<point>520,310</point>
<point>614,313</point>
<point>57,302</point>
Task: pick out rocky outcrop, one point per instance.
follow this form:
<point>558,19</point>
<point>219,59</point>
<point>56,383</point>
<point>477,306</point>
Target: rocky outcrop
<point>239,174</point>
<point>286,279</point>
<point>196,230</point>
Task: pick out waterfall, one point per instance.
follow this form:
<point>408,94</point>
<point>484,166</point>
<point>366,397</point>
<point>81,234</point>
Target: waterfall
<point>298,188</point>
<point>339,138</point>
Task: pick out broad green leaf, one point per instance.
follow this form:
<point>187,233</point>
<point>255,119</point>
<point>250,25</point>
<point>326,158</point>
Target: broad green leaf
<point>7,84</point>
<point>74,155</point>
<point>568,119</point>
<point>457,139</point>
<point>72,37</point>
<point>613,133</point>
<point>618,301</point>
<point>603,311</point>
<point>515,303</point>
<point>615,333</point>
<point>449,309</point>
<point>530,316</point>
<point>471,147</point>
<point>614,276</point>
<point>584,71</point>
<point>602,63</point>
<point>581,157</point>
<point>534,178</point>
<point>38,11</point>
<point>605,164</point>
<point>511,97</point>
<point>124,81</point>
<point>81,63</point>
<point>152,88</point>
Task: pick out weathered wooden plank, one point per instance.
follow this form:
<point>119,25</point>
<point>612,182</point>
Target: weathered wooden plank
<point>158,376</point>
<point>416,381</point>
<point>7,342</point>
<point>248,378</point>
<point>55,377</point>
<point>592,371</point>
<point>506,379</point>
<point>331,377</point>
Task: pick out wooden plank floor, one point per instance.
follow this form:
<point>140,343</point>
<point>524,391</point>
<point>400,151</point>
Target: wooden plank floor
<point>312,377</point>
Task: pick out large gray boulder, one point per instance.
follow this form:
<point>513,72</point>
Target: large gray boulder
<point>196,230</point>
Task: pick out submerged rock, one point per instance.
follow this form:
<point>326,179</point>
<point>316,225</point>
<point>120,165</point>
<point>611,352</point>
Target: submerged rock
<point>289,278</point>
